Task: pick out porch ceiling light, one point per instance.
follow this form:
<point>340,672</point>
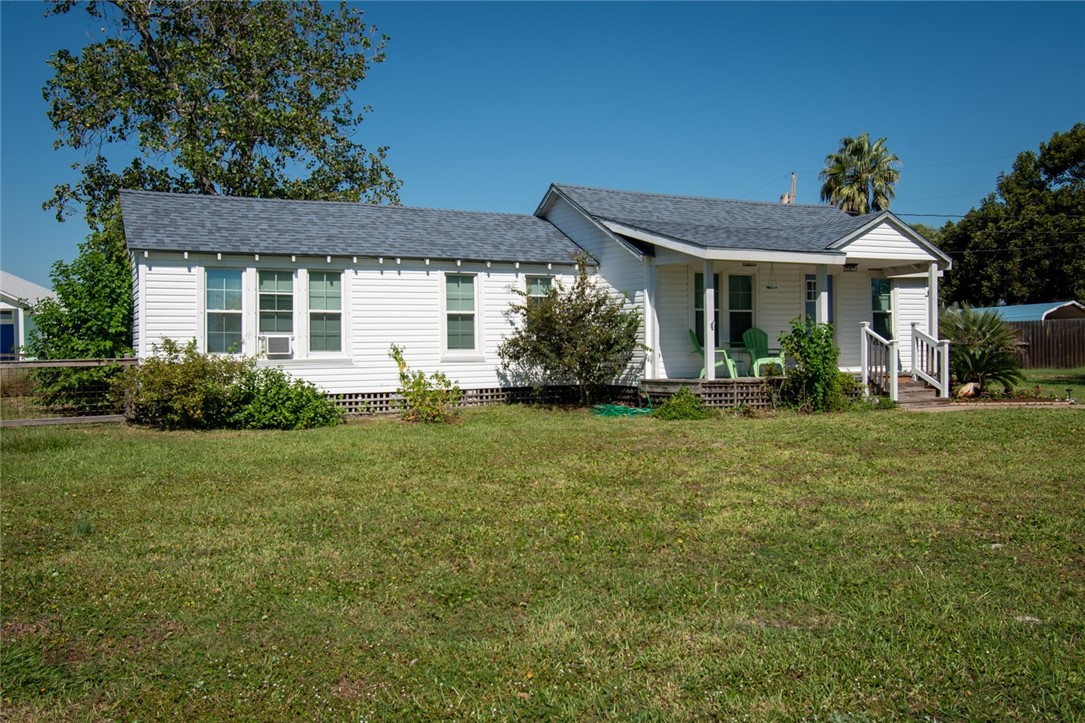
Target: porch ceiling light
<point>851,267</point>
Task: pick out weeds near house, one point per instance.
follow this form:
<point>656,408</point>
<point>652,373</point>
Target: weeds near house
<point>683,404</point>
<point>425,399</point>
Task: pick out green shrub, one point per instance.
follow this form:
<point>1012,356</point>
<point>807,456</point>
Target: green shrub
<point>814,383</point>
<point>425,399</point>
<point>683,404</point>
<point>270,399</point>
<point>180,388</point>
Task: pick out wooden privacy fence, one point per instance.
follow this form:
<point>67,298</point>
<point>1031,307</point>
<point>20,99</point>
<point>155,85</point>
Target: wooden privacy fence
<point>1052,344</point>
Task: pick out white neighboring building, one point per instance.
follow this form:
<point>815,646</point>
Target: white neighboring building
<point>17,295</point>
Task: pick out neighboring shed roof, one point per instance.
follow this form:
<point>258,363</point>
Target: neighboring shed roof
<point>228,224</point>
<point>16,288</point>
<point>717,222</point>
<point>1038,312</point>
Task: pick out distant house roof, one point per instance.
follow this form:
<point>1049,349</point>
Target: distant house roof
<point>17,288</point>
<point>1039,312</point>
<point>228,224</point>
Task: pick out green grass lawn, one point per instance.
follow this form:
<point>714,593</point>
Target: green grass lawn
<point>1055,382</point>
<point>532,564</point>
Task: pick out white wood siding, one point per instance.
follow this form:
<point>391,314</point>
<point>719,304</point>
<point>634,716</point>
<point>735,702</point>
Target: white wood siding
<point>137,274</point>
<point>885,242</point>
<point>383,304</point>
<point>677,358</point>
<point>619,267</point>
<point>909,304</point>
<point>169,307</point>
<point>852,308</point>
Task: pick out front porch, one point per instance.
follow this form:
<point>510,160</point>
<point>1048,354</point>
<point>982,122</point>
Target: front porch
<point>881,311</point>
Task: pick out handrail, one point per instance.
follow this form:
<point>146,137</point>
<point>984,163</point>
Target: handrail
<point>880,361</point>
<point>930,360</point>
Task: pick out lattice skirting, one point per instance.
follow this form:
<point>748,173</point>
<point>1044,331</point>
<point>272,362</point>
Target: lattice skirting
<point>719,393</point>
<point>388,402</point>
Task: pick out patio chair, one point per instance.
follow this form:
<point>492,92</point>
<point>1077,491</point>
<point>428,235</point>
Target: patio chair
<point>757,343</point>
<point>725,362</point>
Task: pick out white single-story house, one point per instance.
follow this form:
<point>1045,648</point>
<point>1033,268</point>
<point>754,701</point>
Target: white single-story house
<point>17,295</point>
<point>325,288</point>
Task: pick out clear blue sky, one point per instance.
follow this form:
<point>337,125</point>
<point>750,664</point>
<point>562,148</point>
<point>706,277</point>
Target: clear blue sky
<point>484,105</point>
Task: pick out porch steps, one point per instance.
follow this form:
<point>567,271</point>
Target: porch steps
<point>917,395</point>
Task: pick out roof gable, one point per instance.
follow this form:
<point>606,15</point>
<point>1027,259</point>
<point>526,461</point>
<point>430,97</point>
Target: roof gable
<point>229,224</point>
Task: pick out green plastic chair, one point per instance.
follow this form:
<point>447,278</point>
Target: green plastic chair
<point>757,343</point>
<point>726,362</point>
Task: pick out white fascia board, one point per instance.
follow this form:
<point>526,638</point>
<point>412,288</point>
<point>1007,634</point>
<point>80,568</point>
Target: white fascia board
<point>700,252</point>
<point>904,229</point>
<point>1063,305</point>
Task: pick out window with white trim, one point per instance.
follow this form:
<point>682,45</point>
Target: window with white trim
<point>325,311</point>
<point>223,297</point>
<point>881,306</point>
<point>460,312</point>
<point>538,288</point>
<point>276,290</point>
<point>739,307</point>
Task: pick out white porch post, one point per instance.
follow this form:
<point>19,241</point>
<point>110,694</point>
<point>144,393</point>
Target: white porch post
<point>821,308</point>
<point>651,323</point>
<point>864,356</point>
<point>932,300</point>
<point>709,322</point>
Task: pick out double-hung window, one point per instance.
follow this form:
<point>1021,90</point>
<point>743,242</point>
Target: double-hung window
<point>538,288</point>
<point>881,307</point>
<point>276,302</point>
<point>223,309</point>
<point>460,312</point>
<point>698,308</point>
<point>739,306</point>
<point>325,311</point>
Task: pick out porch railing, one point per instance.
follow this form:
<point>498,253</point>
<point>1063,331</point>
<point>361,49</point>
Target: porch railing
<point>930,360</point>
<point>880,359</point>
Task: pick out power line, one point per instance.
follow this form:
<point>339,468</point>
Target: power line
<point>1011,248</point>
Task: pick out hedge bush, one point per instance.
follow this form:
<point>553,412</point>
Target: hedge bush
<point>181,388</point>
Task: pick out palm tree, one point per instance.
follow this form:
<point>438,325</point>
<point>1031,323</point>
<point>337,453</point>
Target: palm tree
<point>859,178</point>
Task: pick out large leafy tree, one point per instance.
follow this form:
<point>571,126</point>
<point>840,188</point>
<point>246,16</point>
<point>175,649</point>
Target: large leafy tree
<point>859,177</point>
<point>229,97</point>
<point>1025,243</point>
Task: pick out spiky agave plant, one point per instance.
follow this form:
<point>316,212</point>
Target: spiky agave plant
<point>981,347</point>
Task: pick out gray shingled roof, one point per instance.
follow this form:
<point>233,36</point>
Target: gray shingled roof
<point>17,287</point>
<point>718,222</point>
<point>226,224</point>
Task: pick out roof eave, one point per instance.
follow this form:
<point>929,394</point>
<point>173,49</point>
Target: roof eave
<point>707,253</point>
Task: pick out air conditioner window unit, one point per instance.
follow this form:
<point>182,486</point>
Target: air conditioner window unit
<point>277,345</point>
